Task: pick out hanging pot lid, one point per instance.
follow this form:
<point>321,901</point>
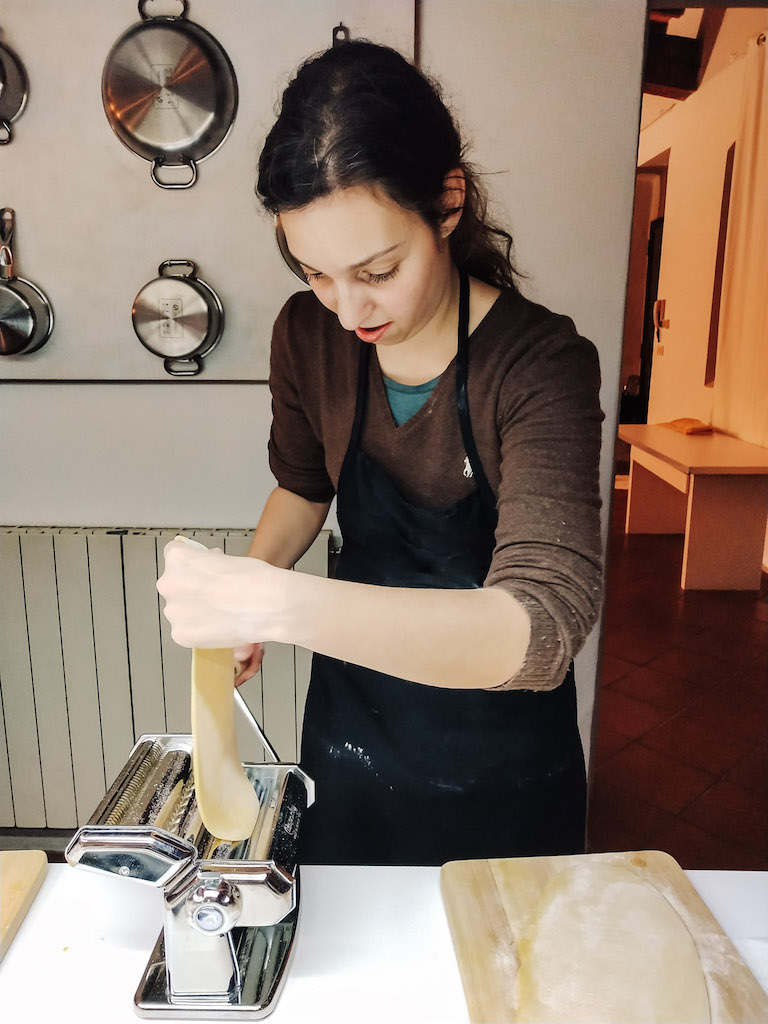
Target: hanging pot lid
<point>14,90</point>
<point>170,94</point>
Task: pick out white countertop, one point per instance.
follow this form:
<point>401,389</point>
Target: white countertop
<point>373,946</point>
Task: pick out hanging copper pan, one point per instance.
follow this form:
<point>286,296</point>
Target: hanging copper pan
<point>170,94</point>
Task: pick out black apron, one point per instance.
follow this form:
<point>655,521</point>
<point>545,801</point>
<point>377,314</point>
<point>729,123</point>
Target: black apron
<point>412,774</point>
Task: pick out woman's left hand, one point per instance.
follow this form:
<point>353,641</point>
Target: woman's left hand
<point>216,600</point>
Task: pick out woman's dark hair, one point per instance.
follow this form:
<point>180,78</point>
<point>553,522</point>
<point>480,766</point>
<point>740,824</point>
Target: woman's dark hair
<point>360,114</point>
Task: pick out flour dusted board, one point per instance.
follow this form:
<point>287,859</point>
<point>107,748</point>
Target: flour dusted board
<point>540,939</point>
<point>22,872</point>
<point>92,228</point>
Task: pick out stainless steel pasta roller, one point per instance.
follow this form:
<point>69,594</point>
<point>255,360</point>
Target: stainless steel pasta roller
<point>230,910</point>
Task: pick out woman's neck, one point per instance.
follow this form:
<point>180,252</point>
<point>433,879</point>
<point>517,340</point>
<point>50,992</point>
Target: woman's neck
<point>425,355</point>
<point>428,354</point>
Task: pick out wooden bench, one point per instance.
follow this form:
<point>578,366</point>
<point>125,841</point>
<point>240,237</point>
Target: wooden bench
<point>711,487</point>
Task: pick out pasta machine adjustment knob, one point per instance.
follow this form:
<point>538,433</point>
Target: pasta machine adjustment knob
<point>214,907</point>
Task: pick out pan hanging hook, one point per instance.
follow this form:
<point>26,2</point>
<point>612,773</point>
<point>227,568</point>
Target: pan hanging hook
<point>7,219</point>
<point>340,34</point>
<point>6,235</point>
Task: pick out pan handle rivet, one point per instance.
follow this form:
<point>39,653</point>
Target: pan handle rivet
<point>123,870</point>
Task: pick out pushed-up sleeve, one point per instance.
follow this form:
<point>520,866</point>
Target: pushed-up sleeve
<point>296,451</point>
<point>548,551</point>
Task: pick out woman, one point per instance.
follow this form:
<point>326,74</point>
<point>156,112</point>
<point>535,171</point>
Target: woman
<point>458,425</point>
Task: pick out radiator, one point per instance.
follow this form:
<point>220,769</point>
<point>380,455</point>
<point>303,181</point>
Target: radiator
<point>87,665</point>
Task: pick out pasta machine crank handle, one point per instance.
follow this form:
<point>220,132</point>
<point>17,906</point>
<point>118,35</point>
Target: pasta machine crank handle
<point>249,717</point>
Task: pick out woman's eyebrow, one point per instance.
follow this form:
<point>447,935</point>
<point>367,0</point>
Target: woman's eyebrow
<point>355,266</point>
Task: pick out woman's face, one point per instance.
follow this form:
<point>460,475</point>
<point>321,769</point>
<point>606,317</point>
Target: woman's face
<point>379,267</point>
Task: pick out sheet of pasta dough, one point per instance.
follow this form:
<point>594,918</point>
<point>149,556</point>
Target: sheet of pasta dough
<point>227,801</point>
<point>603,945</point>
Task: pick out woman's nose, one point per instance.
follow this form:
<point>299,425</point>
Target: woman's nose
<point>352,306</point>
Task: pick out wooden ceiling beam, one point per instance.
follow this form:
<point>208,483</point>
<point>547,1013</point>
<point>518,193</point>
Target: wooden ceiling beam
<point>664,17</point>
<point>672,65</point>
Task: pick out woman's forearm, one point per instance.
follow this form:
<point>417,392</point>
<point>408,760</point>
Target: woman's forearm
<point>287,527</point>
<point>453,638</point>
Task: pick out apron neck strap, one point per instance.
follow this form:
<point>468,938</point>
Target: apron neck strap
<point>462,399</point>
<point>362,390</point>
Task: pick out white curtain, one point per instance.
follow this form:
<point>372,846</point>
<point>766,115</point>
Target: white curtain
<point>740,401</point>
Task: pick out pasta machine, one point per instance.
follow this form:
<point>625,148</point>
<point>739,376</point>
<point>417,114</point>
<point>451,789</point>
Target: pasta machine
<point>231,910</point>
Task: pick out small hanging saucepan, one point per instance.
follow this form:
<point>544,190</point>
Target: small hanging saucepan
<point>26,317</point>
<point>170,94</point>
<point>288,258</point>
<point>14,89</point>
<point>178,317</point>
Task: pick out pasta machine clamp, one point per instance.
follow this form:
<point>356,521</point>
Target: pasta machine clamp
<point>230,909</point>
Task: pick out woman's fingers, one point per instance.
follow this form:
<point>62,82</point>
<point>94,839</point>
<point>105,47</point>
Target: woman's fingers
<point>247,662</point>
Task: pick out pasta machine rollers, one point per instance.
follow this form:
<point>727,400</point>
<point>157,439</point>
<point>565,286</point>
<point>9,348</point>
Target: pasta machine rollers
<point>231,910</point>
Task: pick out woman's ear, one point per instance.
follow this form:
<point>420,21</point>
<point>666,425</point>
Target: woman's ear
<point>454,190</point>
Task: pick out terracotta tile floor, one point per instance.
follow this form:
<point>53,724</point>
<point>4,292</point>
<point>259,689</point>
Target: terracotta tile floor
<point>680,757</point>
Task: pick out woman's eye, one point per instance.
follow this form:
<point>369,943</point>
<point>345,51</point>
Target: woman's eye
<point>312,277</point>
<point>380,278</point>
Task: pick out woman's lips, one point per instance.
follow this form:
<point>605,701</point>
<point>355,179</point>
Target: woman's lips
<point>371,334</point>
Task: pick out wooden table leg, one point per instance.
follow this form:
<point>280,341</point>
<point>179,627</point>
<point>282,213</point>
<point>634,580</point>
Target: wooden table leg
<point>724,532</point>
<point>654,505</point>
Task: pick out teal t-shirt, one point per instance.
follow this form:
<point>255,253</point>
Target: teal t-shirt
<point>405,400</point>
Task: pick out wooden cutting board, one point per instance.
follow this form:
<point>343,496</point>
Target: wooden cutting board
<point>21,875</point>
<point>557,932</point>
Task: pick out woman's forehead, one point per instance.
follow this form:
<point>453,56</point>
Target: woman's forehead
<point>348,228</point>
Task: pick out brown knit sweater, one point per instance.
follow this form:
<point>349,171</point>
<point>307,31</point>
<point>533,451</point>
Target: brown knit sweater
<point>533,397</point>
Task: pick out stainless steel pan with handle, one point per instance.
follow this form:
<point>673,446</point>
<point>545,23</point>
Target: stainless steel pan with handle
<point>179,317</point>
<point>26,317</point>
<point>14,89</point>
<point>170,94</point>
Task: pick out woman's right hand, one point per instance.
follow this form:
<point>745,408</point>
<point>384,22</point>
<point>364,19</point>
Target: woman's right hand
<point>247,662</point>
